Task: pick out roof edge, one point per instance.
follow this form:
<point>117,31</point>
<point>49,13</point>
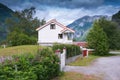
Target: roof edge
<point>57,23</point>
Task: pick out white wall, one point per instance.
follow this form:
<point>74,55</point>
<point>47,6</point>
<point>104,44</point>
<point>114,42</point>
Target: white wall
<point>47,35</point>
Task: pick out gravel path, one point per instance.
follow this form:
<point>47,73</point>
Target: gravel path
<point>107,67</point>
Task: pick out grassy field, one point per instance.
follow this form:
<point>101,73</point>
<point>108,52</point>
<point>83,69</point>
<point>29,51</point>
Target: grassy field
<point>84,61</point>
<point>19,50</point>
<point>76,76</point>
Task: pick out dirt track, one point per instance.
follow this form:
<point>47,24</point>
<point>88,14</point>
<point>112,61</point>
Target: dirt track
<point>106,67</point>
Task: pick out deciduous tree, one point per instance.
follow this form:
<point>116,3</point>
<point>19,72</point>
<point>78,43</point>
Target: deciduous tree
<point>23,26</point>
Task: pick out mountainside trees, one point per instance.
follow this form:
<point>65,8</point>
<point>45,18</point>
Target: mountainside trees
<point>116,18</point>
<point>22,27</point>
<point>5,12</point>
<point>112,31</point>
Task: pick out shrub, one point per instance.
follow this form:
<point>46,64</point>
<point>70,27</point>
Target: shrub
<point>49,62</point>
<point>41,66</point>
<point>15,39</point>
<point>72,50</point>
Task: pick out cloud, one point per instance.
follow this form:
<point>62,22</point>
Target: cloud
<point>54,3</point>
<point>71,4</point>
<point>112,2</point>
<point>66,11</point>
<point>67,16</point>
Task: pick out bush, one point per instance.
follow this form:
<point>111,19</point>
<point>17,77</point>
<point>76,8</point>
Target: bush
<point>72,50</point>
<point>49,62</point>
<point>16,39</point>
<point>41,66</point>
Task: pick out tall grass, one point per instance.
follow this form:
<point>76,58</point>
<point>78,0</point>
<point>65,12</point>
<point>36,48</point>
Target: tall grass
<point>19,50</point>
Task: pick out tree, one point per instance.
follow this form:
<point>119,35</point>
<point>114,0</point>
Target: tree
<point>16,39</point>
<point>23,25</point>
<point>97,39</point>
<point>116,18</point>
<point>112,31</point>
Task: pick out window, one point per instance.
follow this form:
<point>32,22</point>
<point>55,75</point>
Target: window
<point>60,36</point>
<point>52,26</point>
<point>69,36</point>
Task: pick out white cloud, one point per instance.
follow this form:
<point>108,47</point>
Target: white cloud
<point>66,16</point>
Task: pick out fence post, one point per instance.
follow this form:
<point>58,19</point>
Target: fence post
<point>57,52</point>
<point>62,59</point>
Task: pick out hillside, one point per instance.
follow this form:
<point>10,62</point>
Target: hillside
<point>83,25</point>
<point>5,13</point>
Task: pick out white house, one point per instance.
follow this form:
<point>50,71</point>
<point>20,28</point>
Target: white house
<point>54,32</point>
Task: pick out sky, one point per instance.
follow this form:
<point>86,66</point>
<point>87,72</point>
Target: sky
<point>66,11</point>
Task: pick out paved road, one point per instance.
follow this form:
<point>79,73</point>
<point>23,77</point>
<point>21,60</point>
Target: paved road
<point>107,67</point>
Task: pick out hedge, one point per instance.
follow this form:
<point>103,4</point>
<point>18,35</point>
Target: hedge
<point>72,50</point>
<point>42,66</point>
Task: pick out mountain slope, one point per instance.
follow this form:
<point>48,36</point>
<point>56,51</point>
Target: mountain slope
<point>83,25</point>
<point>5,13</point>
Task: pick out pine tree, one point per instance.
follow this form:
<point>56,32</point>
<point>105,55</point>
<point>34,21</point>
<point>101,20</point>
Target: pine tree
<point>112,31</point>
<point>97,39</point>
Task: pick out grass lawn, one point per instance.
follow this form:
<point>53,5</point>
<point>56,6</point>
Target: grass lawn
<point>84,61</point>
<point>19,50</point>
<point>76,76</point>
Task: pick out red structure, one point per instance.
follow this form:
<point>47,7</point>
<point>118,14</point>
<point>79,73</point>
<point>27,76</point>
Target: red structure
<point>84,52</point>
<point>82,44</point>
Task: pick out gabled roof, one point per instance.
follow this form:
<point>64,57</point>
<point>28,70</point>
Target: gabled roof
<point>57,23</point>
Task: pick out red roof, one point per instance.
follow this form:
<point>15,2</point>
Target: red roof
<point>83,44</point>
<point>57,23</point>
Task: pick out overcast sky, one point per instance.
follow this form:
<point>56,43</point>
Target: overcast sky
<point>66,11</point>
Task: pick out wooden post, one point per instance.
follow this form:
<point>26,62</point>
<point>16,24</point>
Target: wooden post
<point>57,52</point>
<point>4,46</point>
<point>62,57</point>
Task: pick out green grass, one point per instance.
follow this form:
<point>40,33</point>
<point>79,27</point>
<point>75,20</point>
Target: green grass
<point>84,61</point>
<point>76,76</point>
<point>19,50</point>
